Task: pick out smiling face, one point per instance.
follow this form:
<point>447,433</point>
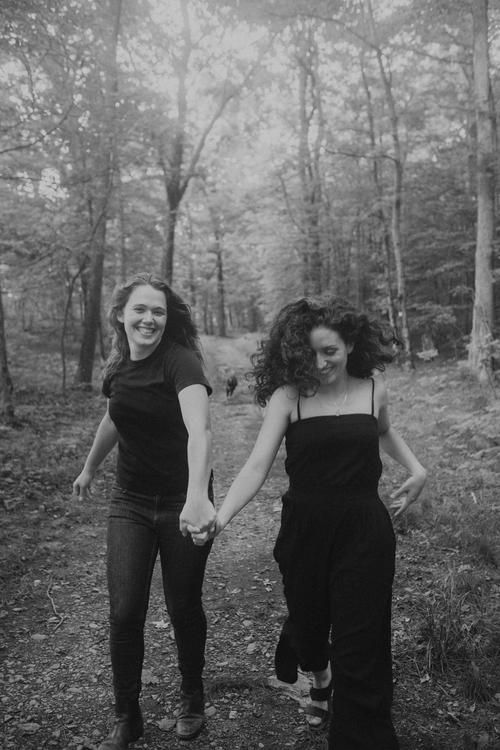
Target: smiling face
<point>331,354</point>
<point>144,318</point>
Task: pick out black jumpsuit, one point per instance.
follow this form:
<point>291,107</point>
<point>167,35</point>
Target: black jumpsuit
<point>336,550</point>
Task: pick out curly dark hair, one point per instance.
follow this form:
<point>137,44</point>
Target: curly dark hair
<point>286,357</point>
<point>180,326</point>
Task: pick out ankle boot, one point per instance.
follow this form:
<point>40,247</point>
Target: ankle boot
<point>126,729</point>
<point>191,715</point>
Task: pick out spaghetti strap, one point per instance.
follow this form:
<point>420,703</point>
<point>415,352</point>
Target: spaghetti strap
<point>298,408</point>
<point>373,396</point>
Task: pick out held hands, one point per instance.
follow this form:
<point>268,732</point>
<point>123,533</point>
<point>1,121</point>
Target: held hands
<point>199,520</point>
<point>408,492</point>
<point>200,538</point>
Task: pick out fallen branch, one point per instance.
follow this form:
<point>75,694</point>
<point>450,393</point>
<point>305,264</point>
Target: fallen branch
<point>54,608</point>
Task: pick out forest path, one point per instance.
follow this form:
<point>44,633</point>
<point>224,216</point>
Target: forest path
<point>56,689</point>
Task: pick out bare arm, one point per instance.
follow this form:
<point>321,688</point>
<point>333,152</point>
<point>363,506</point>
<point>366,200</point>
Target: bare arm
<point>254,472</point>
<point>105,439</point>
<point>393,444</point>
<point>198,513</point>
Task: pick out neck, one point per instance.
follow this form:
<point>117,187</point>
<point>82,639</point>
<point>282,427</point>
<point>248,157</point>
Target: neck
<point>337,388</point>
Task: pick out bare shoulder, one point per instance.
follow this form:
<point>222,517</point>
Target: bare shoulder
<point>284,398</point>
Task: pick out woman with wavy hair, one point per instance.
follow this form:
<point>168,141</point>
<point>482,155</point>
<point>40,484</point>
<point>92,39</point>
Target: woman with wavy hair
<point>336,545</point>
<point>158,414</point>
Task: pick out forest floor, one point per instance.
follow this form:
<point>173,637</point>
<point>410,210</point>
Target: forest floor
<point>56,687</point>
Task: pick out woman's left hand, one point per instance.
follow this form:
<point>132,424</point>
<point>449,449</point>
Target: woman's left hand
<point>408,492</point>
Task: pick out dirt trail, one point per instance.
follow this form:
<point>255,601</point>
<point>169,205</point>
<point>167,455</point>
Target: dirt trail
<point>56,690</point>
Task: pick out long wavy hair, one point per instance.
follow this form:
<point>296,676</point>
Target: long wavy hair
<point>286,356</point>
<point>180,326</point>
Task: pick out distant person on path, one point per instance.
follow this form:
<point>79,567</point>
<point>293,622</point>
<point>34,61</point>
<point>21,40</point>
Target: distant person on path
<point>336,545</point>
<point>158,414</point>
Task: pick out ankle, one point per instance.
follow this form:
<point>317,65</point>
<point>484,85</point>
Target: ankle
<point>192,686</point>
<point>322,679</point>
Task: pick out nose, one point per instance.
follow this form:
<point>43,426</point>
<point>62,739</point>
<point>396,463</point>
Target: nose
<point>148,316</point>
<point>320,361</point>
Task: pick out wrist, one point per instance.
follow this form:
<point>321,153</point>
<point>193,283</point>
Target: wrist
<point>222,520</point>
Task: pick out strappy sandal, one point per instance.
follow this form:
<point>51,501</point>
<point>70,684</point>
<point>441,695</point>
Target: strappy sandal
<point>320,695</point>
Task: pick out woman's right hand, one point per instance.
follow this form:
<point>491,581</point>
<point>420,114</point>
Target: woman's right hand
<point>81,485</point>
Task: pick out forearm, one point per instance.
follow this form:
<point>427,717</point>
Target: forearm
<point>393,444</point>
<point>199,450</point>
<point>105,439</point>
<point>242,491</point>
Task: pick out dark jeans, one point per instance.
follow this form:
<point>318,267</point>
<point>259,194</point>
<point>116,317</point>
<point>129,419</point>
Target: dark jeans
<point>140,527</point>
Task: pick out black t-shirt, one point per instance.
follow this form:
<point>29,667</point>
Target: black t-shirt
<point>144,407</point>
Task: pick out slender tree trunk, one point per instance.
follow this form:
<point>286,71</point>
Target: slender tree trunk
<point>217,251</point>
<point>167,267</point>
<point>93,309</point>
<point>483,313</point>
<point>384,229</point>
<point>122,260</point>
<point>397,197</point>
<point>309,109</point>
<point>221,295</point>
<point>105,168</point>
<point>7,414</point>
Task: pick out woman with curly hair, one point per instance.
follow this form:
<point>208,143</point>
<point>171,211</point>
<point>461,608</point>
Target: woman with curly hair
<point>158,415</point>
<point>336,544</point>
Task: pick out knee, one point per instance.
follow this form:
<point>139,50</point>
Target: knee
<point>185,611</point>
<point>126,614</point>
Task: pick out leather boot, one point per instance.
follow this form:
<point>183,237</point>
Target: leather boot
<point>191,716</point>
<point>126,729</point>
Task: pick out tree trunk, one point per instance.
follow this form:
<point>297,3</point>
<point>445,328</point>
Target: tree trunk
<point>6,387</point>
<point>167,266</point>
<point>483,312</point>
<point>310,180</point>
<point>397,198</point>
<point>380,214</point>
<point>93,308</point>
<point>104,169</point>
<point>221,301</point>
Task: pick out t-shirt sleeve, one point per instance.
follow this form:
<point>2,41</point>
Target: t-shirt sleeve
<point>183,368</point>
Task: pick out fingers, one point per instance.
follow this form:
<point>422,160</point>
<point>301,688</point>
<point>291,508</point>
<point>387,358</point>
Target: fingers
<point>79,492</point>
<point>402,503</point>
<point>200,538</point>
<point>399,508</point>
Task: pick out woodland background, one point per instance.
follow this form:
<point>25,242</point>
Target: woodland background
<point>250,152</point>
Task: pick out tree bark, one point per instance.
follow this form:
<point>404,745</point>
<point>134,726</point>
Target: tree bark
<point>380,214</point>
<point>480,348</point>
<point>7,413</point>
<point>397,197</point>
<point>104,168</point>
<point>309,171</point>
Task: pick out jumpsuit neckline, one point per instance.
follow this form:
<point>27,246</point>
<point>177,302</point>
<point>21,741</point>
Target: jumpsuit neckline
<point>336,416</point>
